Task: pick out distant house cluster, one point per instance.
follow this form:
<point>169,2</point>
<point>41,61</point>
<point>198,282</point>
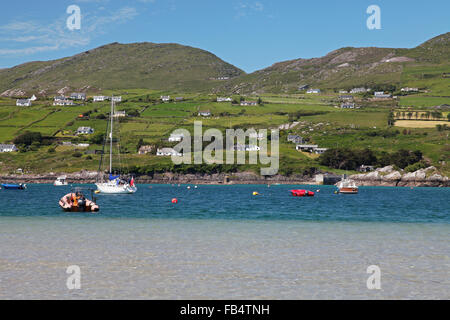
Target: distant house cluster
<point>85,130</point>
<point>409,89</point>
<point>249,103</point>
<point>224,99</point>
<point>8,148</point>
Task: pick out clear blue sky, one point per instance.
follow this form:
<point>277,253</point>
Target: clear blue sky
<point>251,34</point>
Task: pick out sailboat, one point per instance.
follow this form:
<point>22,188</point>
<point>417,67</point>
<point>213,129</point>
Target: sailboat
<point>115,184</point>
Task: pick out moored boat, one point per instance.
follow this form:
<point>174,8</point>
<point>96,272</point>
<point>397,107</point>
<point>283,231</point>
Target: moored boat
<point>76,202</point>
<point>347,186</point>
<point>20,186</point>
<point>61,181</point>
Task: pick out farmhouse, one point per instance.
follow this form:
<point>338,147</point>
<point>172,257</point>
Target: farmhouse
<point>78,96</point>
<point>359,90</point>
<point>206,113</point>
<point>145,149</point>
<point>343,91</point>
<point>120,114</point>
<point>168,152</point>
<point>295,139</point>
<point>63,102</point>
<point>8,148</point>
<point>23,102</point>
<point>249,103</point>
<point>165,98</point>
<point>306,147</point>
<point>222,99</point>
<point>176,137</point>
<point>313,91</point>
<point>100,98</point>
<point>117,98</point>
<point>319,150</point>
<point>381,95</point>
<point>347,105</point>
<point>85,130</point>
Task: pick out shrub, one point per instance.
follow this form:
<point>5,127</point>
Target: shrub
<point>77,154</point>
<point>27,138</point>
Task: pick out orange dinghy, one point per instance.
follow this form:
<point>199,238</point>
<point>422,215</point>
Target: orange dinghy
<point>302,193</point>
<point>76,202</point>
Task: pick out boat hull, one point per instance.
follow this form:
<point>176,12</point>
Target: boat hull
<point>112,188</point>
<point>13,187</point>
<point>67,203</point>
<point>348,190</point>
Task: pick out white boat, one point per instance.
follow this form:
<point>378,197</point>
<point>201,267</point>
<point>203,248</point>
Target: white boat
<point>347,186</point>
<point>114,184</point>
<point>61,181</point>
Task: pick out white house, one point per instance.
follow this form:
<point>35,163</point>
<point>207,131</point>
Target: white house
<point>64,102</point>
<point>409,89</point>
<point>224,99</point>
<point>306,147</point>
<point>78,96</point>
<point>257,135</point>
<point>176,137</point>
<point>99,98</point>
<point>381,94</point>
<point>23,102</point>
<point>206,113</point>
<point>313,91</point>
<point>8,148</point>
<point>295,138</point>
<point>165,98</point>
<point>168,152</point>
<point>319,150</point>
<point>249,103</point>
<point>117,98</point>
<point>347,105</point>
<point>120,114</point>
<point>33,98</point>
<point>358,90</point>
<point>85,130</point>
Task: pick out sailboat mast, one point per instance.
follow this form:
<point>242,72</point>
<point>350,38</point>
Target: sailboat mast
<point>111,135</point>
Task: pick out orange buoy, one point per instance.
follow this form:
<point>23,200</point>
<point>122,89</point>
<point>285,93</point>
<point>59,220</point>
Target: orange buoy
<point>174,200</point>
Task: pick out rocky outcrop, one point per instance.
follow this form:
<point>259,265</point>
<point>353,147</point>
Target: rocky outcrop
<point>388,176</point>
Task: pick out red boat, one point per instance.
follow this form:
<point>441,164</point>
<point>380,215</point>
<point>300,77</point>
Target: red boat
<point>302,193</point>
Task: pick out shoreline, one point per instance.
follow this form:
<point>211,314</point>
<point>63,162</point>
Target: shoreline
<point>89,177</point>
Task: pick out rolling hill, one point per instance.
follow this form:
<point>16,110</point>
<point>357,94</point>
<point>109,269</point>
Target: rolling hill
<point>353,67</point>
<point>117,66</point>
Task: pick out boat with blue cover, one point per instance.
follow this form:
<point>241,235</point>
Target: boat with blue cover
<point>20,186</point>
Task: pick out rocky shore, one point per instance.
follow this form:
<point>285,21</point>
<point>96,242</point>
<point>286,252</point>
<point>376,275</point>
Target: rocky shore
<point>386,176</point>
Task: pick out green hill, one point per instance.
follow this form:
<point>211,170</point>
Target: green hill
<point>117,66</point>
<point>353,67</point>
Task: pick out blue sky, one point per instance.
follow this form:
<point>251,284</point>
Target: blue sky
<point>251,34</point>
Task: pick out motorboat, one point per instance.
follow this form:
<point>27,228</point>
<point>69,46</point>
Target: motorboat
<point>347,186</point>
<point>75,201</point>
<point>61,181</point>
<point>20,186</point>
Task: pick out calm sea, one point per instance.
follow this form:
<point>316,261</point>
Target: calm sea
<point>221,242</point>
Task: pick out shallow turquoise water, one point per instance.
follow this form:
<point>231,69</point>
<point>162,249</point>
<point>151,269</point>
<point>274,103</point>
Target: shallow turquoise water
<point>220,242</point>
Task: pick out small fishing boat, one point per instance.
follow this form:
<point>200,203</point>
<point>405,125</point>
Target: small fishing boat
<point>302,193</point>
<point>20,186</point>
<point>61,181</point>
<point>75,201</point>
<point>347,186</point>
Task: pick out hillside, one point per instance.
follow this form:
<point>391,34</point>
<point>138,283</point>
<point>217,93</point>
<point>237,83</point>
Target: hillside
<point>117,66</point>
<point>349,67</point>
